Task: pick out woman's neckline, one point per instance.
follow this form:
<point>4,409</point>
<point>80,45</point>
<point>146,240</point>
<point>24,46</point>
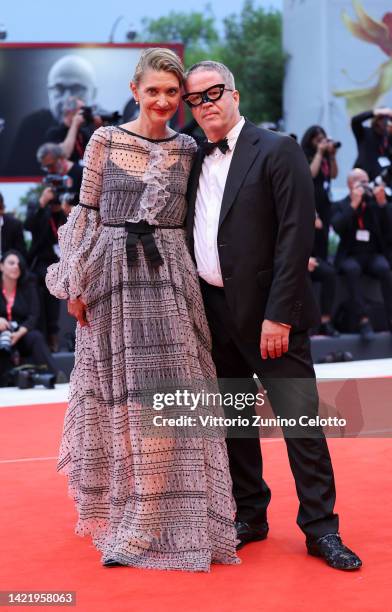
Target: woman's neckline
<point>145,137</point>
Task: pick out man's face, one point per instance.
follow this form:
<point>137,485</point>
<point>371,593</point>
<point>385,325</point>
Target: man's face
<point>359,178</point>
<point>2,210</point>
<point>215,118</point>
<point>53,165</point>
<point>66,81</point>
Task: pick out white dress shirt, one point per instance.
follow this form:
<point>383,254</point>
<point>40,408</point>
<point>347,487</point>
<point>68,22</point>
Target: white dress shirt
<point>212,183</point>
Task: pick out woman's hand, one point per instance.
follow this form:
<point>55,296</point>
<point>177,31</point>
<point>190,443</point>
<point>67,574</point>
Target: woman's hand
<point>77,309</point>
<point>3,324</point>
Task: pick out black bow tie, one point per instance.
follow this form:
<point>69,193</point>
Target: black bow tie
<point>209,147</point>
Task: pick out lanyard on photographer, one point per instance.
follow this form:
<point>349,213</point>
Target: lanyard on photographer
<point>361,216</point>
<point>9,301</point>
<point>54,228</point>
<point>79,145</point>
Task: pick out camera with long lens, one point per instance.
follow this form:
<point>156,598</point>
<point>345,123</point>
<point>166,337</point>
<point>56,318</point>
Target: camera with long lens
<point>89,112</point>
<point>111,118</point>
<point>58,183</point>
<point>6,337</point>
<point>29,377</point>
<point>336,143</point>
<point>367,192</point>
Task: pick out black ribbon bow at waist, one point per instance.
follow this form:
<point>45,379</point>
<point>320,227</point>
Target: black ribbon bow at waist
<point>144,232</point>
<point>209,147</point>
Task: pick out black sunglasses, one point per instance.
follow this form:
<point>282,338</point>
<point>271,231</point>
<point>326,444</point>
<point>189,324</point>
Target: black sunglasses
<point>212,94</point>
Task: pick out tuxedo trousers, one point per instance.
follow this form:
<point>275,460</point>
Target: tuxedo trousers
<point>290,384</point>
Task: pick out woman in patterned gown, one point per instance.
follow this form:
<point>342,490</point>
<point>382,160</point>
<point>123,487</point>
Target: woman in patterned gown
<point>153,502</point>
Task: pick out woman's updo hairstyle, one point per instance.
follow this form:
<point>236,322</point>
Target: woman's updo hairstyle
<point>158,58</point>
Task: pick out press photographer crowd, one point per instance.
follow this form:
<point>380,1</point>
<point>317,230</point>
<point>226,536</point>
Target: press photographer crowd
<point>29,314</point>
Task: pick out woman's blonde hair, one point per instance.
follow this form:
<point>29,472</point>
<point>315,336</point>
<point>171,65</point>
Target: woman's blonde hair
<point>158,58</point>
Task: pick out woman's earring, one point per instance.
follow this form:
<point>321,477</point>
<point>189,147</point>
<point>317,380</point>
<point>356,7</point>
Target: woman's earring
<point>137,102</point>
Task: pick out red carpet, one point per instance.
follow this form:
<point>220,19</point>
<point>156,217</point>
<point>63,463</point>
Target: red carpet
<point>39,551</point>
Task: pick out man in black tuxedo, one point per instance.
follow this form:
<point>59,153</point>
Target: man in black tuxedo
<point>250,229</point>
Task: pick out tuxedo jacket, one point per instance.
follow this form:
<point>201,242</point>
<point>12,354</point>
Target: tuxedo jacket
<point>266,232</point>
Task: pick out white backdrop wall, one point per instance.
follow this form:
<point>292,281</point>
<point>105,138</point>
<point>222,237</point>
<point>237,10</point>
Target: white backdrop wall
<point>325,57</point>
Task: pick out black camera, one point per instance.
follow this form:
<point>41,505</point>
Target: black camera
<point>5,337</point>
<point>58,183</point>
<point>336,143</point>
<point>107,118</point>
<point>26,377</point>
<point>88,115</point>
<point>111,118</point>
<point>367,192</point>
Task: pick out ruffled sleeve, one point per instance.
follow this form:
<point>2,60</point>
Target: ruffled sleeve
<point>67,278</point>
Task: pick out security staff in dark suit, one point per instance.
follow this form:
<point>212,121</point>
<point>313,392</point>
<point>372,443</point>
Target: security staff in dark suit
<point>251,228</point>
<point>362,220</point>
<point>11,232</point>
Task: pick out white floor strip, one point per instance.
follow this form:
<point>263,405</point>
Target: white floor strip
<point>27,459</point>
<point>11,396</point>
<point>372,368</point>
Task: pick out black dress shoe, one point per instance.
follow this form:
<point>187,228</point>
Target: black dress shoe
<point>250,533</point>
<point>327,329</point>
<point>331,548</point>
<point>112,563</point>
<point>366,331</point>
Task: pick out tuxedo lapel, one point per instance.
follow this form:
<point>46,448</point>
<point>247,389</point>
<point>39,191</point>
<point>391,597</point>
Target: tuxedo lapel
<point>191,195</point>
<point>245,153</point>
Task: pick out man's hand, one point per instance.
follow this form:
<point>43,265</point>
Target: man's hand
<point>3,324</point>
<point>78,119</point>
<point>17,335</point>
<point>274,339</point>
<point>383,112</point>
<point>312,264</point>
<point>46,196</point>
<point>97,120</point>
<point>318,224</point>
<point>77,309</point>
<point>379,194</point>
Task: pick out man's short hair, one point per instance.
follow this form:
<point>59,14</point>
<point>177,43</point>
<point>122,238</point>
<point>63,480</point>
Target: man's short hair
<point>1,200</point>
<point>49,148</point>
<point>226,74</point>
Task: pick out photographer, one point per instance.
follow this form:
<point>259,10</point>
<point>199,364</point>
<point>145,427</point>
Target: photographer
<point>362,221</point>
<point>374,143</point>
<point>320,152</point>
<point>78,124</point>
<point>44,221</point>
<point>19,310</point>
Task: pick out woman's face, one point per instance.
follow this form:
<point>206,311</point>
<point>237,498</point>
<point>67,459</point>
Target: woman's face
<point>317,139</point>
<point>10,267</point>
<point>158,94</point>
